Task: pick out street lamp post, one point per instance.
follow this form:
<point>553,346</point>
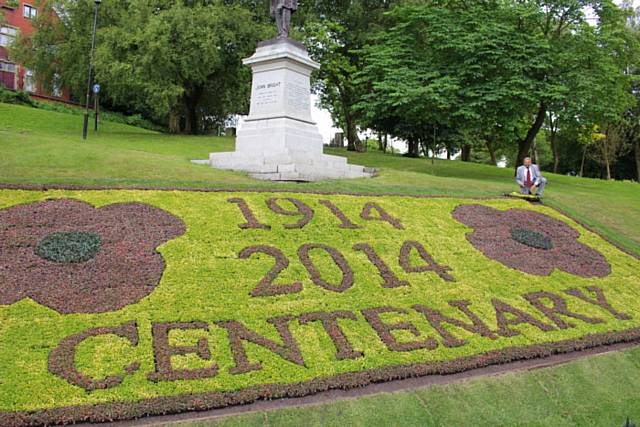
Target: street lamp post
<point>93,46</point>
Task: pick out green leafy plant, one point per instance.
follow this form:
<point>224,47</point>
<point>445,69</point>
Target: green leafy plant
<point>531,238</point>
<point>71,247</point>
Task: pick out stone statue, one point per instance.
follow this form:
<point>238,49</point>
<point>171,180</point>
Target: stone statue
<point>282,10</point>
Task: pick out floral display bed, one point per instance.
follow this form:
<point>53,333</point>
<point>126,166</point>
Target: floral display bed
<point>116,304</point>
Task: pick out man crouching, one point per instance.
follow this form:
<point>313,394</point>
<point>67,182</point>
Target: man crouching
<point>530,179</point>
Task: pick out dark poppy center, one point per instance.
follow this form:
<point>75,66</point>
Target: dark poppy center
<point>532,238</point>
<point>69,247</point>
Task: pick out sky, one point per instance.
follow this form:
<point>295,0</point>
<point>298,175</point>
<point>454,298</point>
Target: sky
<point>323,119</point>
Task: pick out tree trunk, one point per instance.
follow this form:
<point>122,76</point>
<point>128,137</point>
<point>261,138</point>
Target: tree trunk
<point>556,154</point>
<point>191,101</point>
<point>637,151</point>
<point>424,149</point>
<point>584,158</point>
<point>524,145</point>
<point>381,146</point>
<point>605,152</point>
<point>174,120</point>
<point>351,131</point>
<point>353,141</point>
<point>492,153</point>
<point>414,149</point>
<point>191,123</point>
<point>466,153</point>
<point>415,152</point>
<point>553,125</point>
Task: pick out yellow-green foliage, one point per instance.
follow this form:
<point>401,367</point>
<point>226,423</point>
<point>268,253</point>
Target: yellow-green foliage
<point>204,280</point>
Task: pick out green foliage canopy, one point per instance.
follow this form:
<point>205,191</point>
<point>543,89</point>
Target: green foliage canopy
<point>494,69</point>
<point>334,32</point>
<point>180,62</point>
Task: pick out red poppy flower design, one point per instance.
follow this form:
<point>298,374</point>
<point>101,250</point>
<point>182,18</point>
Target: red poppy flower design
<point>530,242</point>
<point>74,258</point>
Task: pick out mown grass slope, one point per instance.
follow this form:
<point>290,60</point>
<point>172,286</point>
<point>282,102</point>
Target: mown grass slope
<point>38,147</point>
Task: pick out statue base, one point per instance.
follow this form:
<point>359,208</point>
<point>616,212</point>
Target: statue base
<point>279,141</point>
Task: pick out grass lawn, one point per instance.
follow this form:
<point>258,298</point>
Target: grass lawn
<point>45,148</point>
<point>597,391</point>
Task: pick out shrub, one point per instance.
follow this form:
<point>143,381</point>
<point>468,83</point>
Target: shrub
<point>14,97</point>
<point>108,116</point>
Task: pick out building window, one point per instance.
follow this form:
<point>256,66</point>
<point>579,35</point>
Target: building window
<point>29,11</point>
<point>29,81</point>
<point>7,67</point>
<point>8,74</point>
<point>7,36</point>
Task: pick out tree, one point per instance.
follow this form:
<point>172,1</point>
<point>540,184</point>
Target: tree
<point>181,59</point>
<point>609,148</point>
<point>458,66</point>
<point>587,137</point>
<point>334,32</point>
<point>582,72</point>
<point>633,135</point>
<point>632,117</point>
<point>60,47</point>
<point>178,62</point>
<point>495,69</point>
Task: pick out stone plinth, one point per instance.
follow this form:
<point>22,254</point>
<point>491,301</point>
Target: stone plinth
<point>278,140</point>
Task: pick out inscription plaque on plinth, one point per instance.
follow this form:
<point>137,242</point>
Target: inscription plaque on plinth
<point>266,95</point>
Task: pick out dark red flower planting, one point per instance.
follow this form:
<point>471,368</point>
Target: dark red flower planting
<point>74,258</point>
<point>530,242</point>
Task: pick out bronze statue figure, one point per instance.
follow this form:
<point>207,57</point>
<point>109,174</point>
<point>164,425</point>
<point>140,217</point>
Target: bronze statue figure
<point>282,10</point>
